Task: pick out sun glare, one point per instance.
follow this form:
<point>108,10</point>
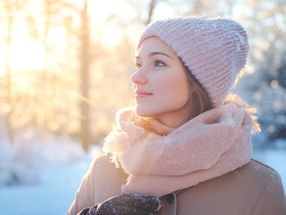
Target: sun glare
<point>105,25</point>
<point>26,55</point>
<point>110,36</point>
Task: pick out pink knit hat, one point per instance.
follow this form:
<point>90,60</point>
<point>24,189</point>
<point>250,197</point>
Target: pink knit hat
<point>215,50</point>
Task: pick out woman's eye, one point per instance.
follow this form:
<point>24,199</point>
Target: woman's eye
<point>159,63</point>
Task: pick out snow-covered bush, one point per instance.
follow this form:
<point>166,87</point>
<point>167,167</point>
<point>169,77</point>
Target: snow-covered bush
<point>270,101</point>
<point>21,161</point>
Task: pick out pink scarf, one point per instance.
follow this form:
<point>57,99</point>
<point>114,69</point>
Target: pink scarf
<point>160,160</point>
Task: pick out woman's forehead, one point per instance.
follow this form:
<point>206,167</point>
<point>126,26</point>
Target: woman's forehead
<point>154,45</point>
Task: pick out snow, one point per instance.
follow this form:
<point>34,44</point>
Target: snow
<point>52,194</point>
<point>41,178</point>
<point>40,174</point>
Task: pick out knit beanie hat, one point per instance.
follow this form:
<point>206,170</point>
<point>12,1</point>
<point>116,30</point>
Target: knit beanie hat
<point>214,50</point>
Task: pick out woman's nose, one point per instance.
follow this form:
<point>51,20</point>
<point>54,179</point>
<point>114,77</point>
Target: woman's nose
<point>138,78</point>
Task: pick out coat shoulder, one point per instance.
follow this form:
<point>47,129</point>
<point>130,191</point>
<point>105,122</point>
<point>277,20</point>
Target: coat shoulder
<point>105,169</point>
<point>243,190</point>
<point>107,178</point>
<point>103,160</point>
<point>263,167</point>
<point>271,198</point>
<point>101,181</point>
<point>260,170</point>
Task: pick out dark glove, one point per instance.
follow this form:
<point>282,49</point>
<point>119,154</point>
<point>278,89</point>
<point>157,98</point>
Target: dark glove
<point>125,204</point>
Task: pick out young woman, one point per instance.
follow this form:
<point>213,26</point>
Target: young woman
<point>185,147</point>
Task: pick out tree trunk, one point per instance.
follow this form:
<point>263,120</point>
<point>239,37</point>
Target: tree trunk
<point>84,79</point>
<point>44,76</point>
<point>10,135</point>
<point>151,10</point>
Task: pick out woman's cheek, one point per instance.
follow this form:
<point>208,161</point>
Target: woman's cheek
<point>167,84</point>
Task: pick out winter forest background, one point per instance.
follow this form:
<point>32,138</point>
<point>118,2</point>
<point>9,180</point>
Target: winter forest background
<point>64,72</point>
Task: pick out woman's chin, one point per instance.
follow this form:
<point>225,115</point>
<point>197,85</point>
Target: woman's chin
<point>144,112</point>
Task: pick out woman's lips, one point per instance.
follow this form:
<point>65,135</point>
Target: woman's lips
<point>142,94</point>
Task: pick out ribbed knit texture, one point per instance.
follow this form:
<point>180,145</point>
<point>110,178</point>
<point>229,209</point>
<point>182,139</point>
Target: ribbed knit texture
<point>215,50</point>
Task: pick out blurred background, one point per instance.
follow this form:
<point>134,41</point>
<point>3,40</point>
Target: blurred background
<point>64,73</point>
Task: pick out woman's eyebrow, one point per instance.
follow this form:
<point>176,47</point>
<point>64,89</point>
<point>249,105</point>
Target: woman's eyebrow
<point>154,53</point>
<point>161,53</point>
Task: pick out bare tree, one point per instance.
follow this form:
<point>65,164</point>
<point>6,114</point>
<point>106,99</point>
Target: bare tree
<point>84,77</point>
<point>151,11</point>
<point>9,8</point>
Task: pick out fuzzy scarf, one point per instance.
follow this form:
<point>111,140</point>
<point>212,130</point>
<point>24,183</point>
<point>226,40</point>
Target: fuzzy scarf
<point>160,160</point>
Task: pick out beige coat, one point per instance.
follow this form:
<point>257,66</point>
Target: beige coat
<point>254,189</point>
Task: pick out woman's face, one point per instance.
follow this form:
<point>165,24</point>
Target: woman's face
<point>160,82</point>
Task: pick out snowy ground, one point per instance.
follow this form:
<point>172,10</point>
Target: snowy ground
<point>50,190</point>
<point>52,195</point>
<point>40,175</point>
